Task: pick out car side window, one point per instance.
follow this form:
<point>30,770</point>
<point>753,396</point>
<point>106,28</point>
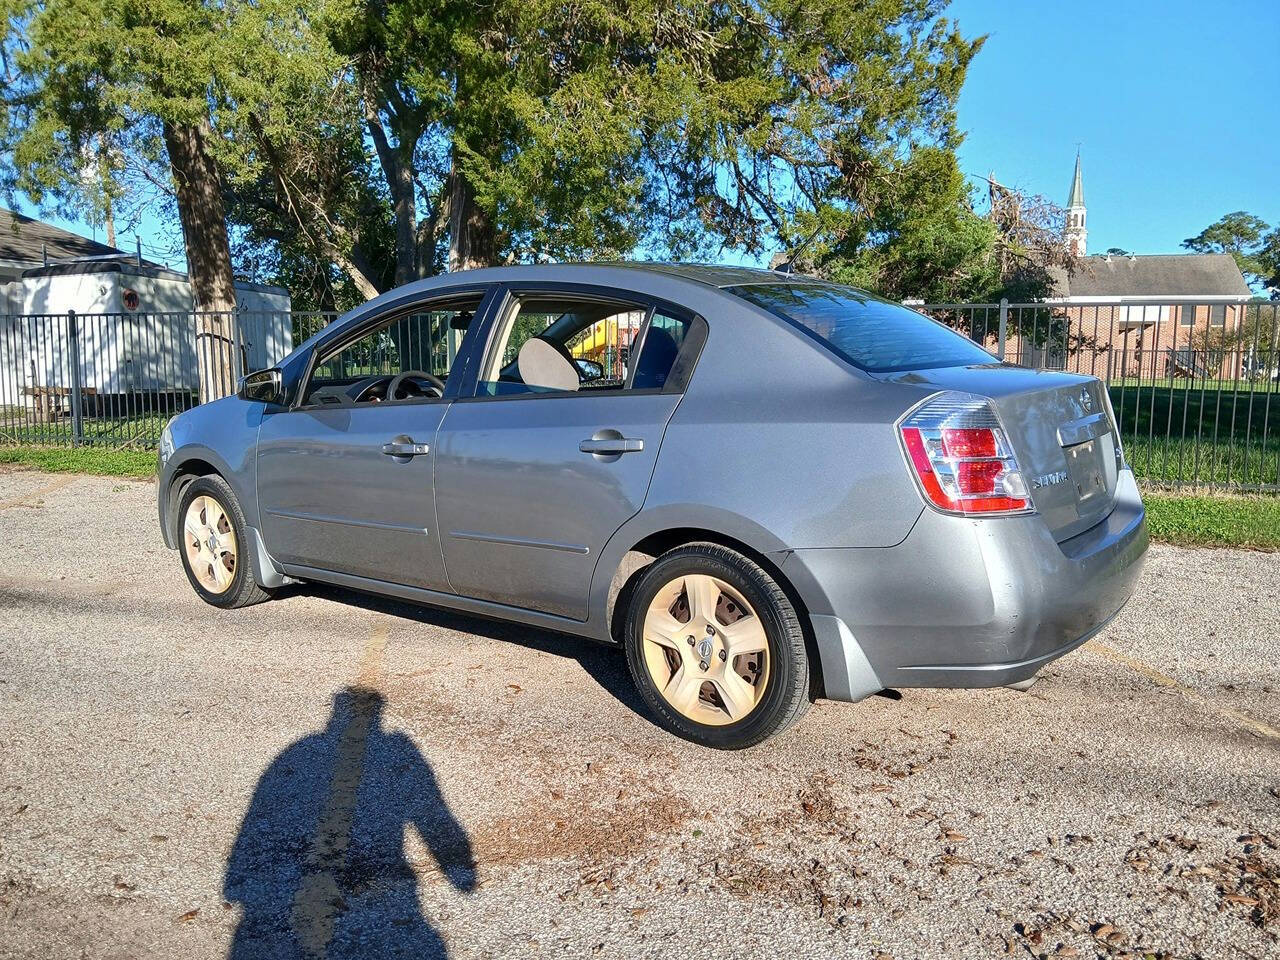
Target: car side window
<point>662,343</point>
<point>548,344</point>
<point>420,341</point>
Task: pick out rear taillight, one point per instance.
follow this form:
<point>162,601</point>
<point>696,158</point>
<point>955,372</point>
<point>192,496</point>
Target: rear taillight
<point>961,457</point>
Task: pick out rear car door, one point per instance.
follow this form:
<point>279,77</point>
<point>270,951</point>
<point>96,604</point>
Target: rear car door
<point>555,450</point>
<point>345,475</point>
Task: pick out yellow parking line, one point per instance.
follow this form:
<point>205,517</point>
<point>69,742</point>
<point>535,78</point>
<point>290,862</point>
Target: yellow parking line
<point>318,902</point>
<point>1164,680</point>
<point>371,660</point>
<point>36,494</point>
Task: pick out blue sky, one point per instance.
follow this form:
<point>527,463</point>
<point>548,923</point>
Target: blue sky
<point>1171,103</point>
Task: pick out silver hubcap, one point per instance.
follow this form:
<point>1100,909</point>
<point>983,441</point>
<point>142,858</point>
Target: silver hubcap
<point>706,650</point>
<point>210,544</point>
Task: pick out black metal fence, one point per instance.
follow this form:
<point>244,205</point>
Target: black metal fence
<point>1195,385</point>
<point>114,379</point>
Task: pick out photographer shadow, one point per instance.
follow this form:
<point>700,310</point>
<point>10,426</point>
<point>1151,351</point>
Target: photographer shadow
<point>319,866</point>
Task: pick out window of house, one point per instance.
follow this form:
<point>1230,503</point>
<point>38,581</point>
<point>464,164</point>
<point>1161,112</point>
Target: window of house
<point>1187,316</point>
<point>421,341</point>
<point>551,344</point>
<point>1218,315</point>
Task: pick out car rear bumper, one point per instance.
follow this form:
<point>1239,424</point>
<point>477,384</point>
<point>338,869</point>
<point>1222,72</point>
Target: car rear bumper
<point>968,603</point>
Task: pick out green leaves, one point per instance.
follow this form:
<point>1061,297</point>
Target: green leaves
<point>1245,237</point>
<point>351,134</point>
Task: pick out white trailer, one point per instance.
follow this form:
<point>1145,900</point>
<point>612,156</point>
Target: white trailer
<point>134,332</point>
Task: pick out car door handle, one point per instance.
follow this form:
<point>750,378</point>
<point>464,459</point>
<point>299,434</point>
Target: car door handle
<point>405,447</point>
<point>612,445</point>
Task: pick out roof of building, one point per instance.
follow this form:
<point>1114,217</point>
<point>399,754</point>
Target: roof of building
<point>26,240</point>
<point>1160,275</point>
<point>127,266</point>
<point>1077,187</point>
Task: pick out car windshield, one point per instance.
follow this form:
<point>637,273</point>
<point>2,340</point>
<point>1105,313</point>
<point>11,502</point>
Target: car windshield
<point>873,334</point>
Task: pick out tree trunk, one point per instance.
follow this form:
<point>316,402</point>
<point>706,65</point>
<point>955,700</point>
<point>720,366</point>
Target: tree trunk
<point>204,234</point>
<point>397,167</point>
<point>472,240</point>
<point>406,214</point>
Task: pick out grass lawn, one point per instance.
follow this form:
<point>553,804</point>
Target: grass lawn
<point>139,431</point>
<point>1200,436</point>
<point>1214,521</point>
<point>134,464</point>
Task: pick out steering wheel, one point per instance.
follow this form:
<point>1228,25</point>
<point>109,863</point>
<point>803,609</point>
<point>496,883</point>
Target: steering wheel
<point>393,388</point>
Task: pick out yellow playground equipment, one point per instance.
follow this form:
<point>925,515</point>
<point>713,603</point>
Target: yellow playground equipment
<point>608,342</point>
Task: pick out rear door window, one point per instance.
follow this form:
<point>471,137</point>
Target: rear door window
<point>873,334</point>
<point>603,346</point>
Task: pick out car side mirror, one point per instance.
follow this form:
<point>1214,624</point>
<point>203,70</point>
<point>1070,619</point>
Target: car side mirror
<point>265,386</point>
<point>589,370</point>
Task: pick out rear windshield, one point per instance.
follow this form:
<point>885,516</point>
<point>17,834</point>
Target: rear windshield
<point>873,334</point>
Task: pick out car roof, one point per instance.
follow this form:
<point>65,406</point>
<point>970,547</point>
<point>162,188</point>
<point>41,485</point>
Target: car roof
<point>716,275</point>
<point>710,274</point>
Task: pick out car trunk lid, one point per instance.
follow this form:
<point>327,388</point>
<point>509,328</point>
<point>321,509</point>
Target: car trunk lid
<point>1061,431</point>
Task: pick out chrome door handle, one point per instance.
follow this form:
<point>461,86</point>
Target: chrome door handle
<point>405,447</point>
<point>612,445</point>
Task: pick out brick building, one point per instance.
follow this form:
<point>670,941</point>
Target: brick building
<point>1138,315</point>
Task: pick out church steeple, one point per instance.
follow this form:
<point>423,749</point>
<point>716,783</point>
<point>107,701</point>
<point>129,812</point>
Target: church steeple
<point>1075,228</point>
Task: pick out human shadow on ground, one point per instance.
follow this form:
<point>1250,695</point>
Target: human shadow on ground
<point>319,866</point>
<point>605,665</point>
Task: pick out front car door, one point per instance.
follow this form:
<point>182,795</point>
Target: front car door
<point>553,454</point>
<point>345,475</point>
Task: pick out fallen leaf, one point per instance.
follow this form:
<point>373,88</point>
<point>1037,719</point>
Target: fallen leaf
<point>188,916</point>
<point>953,836</point>
<point>514,687</point>
<point>1108,933</point>
<point>1241,899</point>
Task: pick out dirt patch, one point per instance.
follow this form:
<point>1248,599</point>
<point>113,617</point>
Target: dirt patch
<point>596,817</point>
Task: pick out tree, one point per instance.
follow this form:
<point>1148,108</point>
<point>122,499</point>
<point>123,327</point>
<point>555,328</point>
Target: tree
<point>137,74</point>
<point>1268,258</point>
<point>928,245</point>
<point>350,138</point>
<point>300,178</point>
<point>536,129</point>
<point>1239,234</point>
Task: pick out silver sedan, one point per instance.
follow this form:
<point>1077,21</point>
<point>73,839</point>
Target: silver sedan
<point>765,488</point>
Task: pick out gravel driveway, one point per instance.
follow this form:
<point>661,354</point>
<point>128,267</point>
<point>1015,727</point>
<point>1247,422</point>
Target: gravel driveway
<point>332,775</point>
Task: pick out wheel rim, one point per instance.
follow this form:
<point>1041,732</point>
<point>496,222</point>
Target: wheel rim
<point>706,650</point>
<point>210,543</point>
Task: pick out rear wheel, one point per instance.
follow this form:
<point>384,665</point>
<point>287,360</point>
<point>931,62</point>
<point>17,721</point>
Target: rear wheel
<point>214,544</point>
<point>716,648</point>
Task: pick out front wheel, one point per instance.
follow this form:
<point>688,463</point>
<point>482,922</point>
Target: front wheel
<point>214,545</point>
<point>715,647</point>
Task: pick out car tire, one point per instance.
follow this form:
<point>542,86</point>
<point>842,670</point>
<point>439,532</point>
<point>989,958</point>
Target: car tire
<point>219,569</point>
<point>685,668</point>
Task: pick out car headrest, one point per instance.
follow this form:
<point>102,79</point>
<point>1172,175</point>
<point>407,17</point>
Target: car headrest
<point>657,355</point>
<point>546,364</point>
